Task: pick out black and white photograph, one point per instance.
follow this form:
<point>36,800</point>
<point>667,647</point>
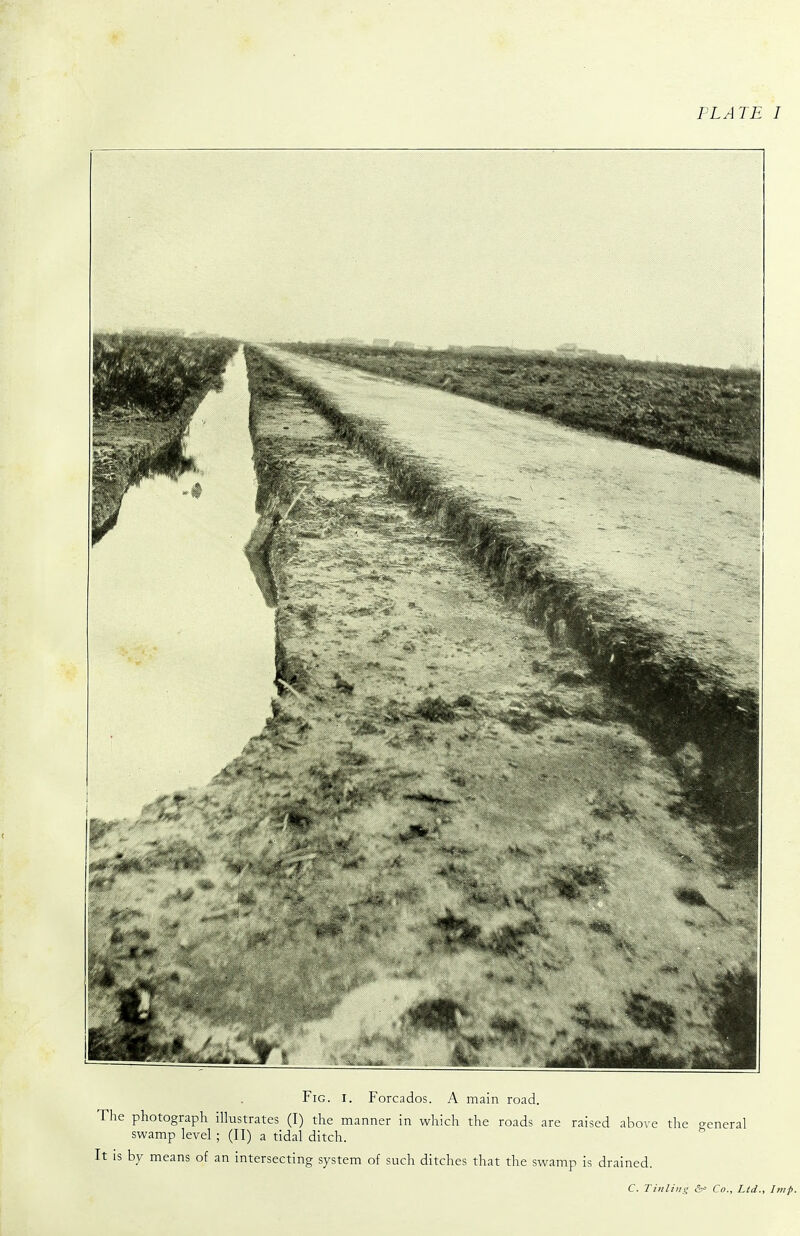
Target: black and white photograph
<point>424,608</point>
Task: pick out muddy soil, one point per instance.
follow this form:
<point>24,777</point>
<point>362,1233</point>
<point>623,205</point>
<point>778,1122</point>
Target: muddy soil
<point>448,847</point>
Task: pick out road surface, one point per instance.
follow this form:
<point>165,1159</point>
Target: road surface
<point>671,542</point>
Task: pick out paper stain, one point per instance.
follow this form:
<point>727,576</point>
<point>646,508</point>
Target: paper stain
<point>17,863</point>
<point>246,43</point>
<point>21,903</point>
<point>137,654</point>
<point>500,41</point>
<point>14,1030</point>
<point>116,37</point>
<point>67,670</point>
<point>11,130</point>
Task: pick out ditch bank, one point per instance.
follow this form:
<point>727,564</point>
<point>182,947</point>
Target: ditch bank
<point>697,711</point>
<point>128,444</point>
<point>448,847</point>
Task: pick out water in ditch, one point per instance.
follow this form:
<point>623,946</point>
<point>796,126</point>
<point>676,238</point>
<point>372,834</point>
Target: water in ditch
<point>181,642</point>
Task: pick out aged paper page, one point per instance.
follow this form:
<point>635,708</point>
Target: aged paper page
<point>154,141</point>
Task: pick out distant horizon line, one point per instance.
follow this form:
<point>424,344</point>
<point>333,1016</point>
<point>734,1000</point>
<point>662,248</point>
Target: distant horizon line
<point>566,350</point>
<point>563,350</point>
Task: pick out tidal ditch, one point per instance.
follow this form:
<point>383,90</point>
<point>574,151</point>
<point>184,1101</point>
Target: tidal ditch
<point>181,641</point>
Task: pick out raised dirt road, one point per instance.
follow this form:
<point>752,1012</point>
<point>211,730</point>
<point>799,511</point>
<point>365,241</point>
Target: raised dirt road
<point>670,542</point>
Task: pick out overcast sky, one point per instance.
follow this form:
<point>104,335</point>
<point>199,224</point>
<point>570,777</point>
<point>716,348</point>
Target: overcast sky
<point>652,254</point>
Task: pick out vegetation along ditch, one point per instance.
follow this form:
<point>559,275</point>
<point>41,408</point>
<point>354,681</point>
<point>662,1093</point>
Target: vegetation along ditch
<point>146,389</point>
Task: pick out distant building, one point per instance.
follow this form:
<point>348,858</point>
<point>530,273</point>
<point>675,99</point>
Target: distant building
<point>403,343</point>
<point>572,349</point>
<point>380,343</point>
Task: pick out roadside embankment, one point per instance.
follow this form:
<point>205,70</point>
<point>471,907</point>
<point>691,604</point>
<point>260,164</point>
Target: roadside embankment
<point>449,846</point>
<point>648,563</point>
